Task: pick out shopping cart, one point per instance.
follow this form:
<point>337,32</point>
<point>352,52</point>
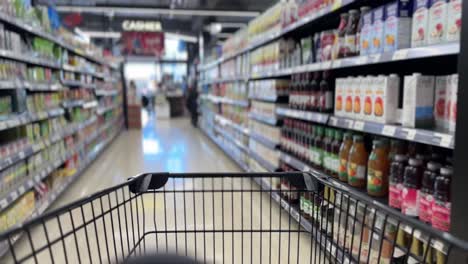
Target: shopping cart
<point>229,218</point>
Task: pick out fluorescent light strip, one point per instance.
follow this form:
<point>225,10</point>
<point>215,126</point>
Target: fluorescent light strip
<point>155,11</point>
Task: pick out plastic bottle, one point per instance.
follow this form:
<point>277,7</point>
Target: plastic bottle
<point>357,163</point>
<point>426,194</point>
<point>344,155</point>
<point>441,208</point>
<point>411,184</point>
<point>378,169</point>
<point>396,176</point>
<point>363,9</point>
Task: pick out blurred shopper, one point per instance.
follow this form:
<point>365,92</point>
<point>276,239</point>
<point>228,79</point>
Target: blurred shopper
<point>192,106</point>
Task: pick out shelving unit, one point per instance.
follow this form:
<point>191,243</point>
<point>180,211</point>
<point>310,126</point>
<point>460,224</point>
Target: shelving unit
<point>78,125</point>
<point>401,61</point>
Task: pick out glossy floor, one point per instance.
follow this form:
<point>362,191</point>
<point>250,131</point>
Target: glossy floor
<point>229,220</point>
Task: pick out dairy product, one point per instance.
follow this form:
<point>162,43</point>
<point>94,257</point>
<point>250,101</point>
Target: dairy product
<point>418,100</point>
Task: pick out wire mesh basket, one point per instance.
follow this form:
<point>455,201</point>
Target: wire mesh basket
<point>228,218</point>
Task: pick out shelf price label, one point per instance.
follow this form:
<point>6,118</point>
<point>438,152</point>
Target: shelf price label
<point>388,131</point>
<point>445,140</point>
<point>349,124</point>
<point>410,134</point>
<point>359,125</point>
<point>400,54</point>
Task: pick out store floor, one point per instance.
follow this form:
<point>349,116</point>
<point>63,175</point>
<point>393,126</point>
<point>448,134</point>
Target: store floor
<point>174,146</point>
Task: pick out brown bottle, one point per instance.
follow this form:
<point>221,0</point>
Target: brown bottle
<point>357,163</point>
<point>335,159</point>
<point>378,169</point>
<point>344,155</point>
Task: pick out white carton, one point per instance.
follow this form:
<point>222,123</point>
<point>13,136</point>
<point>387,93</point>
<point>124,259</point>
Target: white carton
<point>369,83</point>
<point>348,93</point>
<point>420,25</point>
<point>437,22</point>
<point>358,100</point>
<point>386,96</point>
<point>339,97</point>
<point>398,25</point>
<point>453,102</point>
<point>454,22</point>
<point>378,27</point>
<point>366,33</point>
<point>440,102</point>
<point>418,101</point>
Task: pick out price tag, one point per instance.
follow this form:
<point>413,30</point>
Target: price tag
<point>361,60</point>
<point>306,168</point>
<point>276,197</point>
<point>295,215</point>
<point>389,131</point>
<point>359,125</point>
<point>349,124</point>
<point>21,189</point>
<point>14,195</point>
<point>445,140</point>
<point>21,154</point>
<point>411,134</point>
<point>3,203</point>
<point>400,54</point>
<point>326,65</point>
<point>285,205</point>
<point>375,58</point>
<point>3,125</point>
<point>337,64</point>
<point>439,246</point>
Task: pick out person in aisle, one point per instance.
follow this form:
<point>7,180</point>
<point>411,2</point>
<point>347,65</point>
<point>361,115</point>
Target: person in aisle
<point>192,106</point>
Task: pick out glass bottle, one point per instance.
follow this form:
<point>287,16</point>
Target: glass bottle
<point>344,155</point>
<point>341,34</point>
<point>397,170</point>
<point>326,94</point>
<point>350,34</point>
<point>378,169</point>
<point>357,163</point>
<point>441,209</point>
<point>426,194</point>
<point>411,184</point>
<point>335,160</point>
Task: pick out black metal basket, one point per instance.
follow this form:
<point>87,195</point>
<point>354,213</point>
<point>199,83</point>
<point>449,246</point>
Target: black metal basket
<point>229,218</point>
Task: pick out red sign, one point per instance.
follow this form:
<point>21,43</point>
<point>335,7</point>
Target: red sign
<point>143,43</point>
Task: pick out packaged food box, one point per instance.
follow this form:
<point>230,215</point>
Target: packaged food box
<point>437,21</point>
<point>440,102</point>
<point>420,23</point>
<point>418,101</point>
<point>368,83</point>
<point>378,27</point>
<point>348,93</point>
<point>366,33</point>
<point>398,25</point>
<point>386,94</point>
<point>339,97</point>
<point>454,8</point>
<point>453,94</point>
<point>358,100</point>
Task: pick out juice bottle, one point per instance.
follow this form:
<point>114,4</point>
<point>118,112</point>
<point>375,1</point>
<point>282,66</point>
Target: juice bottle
<point>311,144</point>
<point>344,155</point>
<point>441,208</point>
<point>318,148</point>
<point>377,169</point>
<point>304,142</point>
<point>397,170</point>
<point>327,149</point>
<point>363,9</point>
<point>335,160</point>
<point>396,147</point>
<point>315,92</point>
<point>357,163</point>
<point>350,35</point>
<point>341,34</point>
<point>411,184</point>
<point>326,94</point>
<point>426,194</point>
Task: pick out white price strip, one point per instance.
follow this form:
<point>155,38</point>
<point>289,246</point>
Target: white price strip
<point>285,205</point>
<point>349,124</point>
<point>445,140</point>
<point>389,131</point>
<point>411,134</point>
<point>21,155</point>
<point>333,121</point>
<point>295,215</point>
<point>374,58</point>
<point>326,65</point>
<point>361,60</point>
<point>14,195</point>
<point>21,189</point>
<point>359,125</point>
<point>3,125</point>
<point>400,54</point>
<point>337,64</point>
<point>3,203</point>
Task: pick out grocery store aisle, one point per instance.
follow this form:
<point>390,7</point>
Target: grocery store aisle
<point>171,145</point>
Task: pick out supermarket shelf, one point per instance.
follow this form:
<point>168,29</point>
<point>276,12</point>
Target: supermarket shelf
<point>399,55</point>
<point>231,138</point>
<point>105,92</point>
<point>228,153</point>
<point>8,84</point>
<point>264,141</point>
<point>226,121</point>
<point>78,84</point>
<point>90,104</point>
<point>435,138</point>
<point>273,98</point>
<point>73,103</point>
<point>303,115</point>
<point>224,100</point>
<point>29,58</point>
<point>224,80</point>
<point>265,164</point>
<point>267,120</point>
<point>25,118</point>
<point>42,86</point>
<point>102,109</point>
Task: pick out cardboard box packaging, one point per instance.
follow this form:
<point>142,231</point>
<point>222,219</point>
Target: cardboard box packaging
<point>440,102</point>
<point>419,34</point>
<point>366,33</point>
<point>339,97</point>
<point>386,96</point>
<point>454,8</point>
<point>378,27</point>
<point>358,101</point>
<point>368,84</point>
<point>437,22</point>
<point>453,88</point>
<point>398,25</point>
<point>348,93</point>
<point>418,101</point>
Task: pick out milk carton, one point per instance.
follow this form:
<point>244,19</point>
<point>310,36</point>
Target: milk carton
<point>368,84</point>
<point>440,102</point>
<point>418,101</point>
<point>454,8</point>
<point>366,33</point>
<point>420,25</point>
<point>348,93</point>
<point>358,102</point>
<point>386,96</point>
<point>398,25</point>
<point>378,27</point>
<point>339,97</point>
<point>453,89</point>
<point>437,21</point>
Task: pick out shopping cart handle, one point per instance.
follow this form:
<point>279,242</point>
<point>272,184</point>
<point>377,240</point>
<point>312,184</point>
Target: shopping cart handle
<point>143,182</point>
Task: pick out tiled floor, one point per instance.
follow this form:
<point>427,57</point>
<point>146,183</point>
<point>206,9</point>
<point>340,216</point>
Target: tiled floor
<point>121,219</point>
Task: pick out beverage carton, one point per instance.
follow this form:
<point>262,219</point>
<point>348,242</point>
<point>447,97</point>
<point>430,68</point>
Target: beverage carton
<point>453,88</point>
<point>339,97</point>
<point>418,101</point>
<point>386,96</point>
<point>440,103</point>
<point>366,33</point>
<point>437,21</point>
<point>420,25</point>
<point>368,86</point>
<point>348,93</point>
<point>454,8</point>
<point>378,27</point>
<point>358,101</point>
<point>398,25</point>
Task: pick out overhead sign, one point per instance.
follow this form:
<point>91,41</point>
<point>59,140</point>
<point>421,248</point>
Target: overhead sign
<point>143,43</point>
<point>141,25</point>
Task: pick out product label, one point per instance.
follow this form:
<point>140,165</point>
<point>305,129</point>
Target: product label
<point>356,172</point>
<point>343,169</point>
<point>425,206</point>
<point>334,163</point>
<point>326,100</point>
<point>437,22</point>
<point>395,195</point>
<point>368,105</point>
<point>379,104</point>
<point>420,23</point>
<point>378,30</point>
<point>357,103</point>
<point>454,20</point>
<point>441,215</point>
<point>350,41</point>
<point>410,202</point>
<point>375,180</point>
<point>349,104</point>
